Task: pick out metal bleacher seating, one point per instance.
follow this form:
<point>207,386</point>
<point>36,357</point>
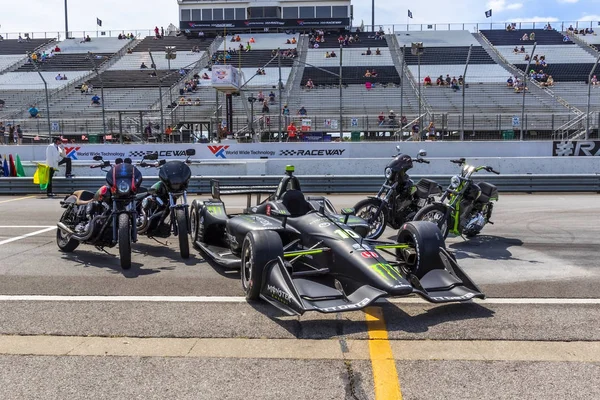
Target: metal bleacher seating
<point>16,47</point>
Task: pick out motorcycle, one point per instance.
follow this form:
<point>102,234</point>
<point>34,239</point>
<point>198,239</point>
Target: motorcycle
<point>465,207</point>
<point>399,198</point>
<point>164,210</point>
<point>105,218</point>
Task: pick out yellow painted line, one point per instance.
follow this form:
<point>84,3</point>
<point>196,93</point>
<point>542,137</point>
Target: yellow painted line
<point>385,376</point>
<point>18,198</point>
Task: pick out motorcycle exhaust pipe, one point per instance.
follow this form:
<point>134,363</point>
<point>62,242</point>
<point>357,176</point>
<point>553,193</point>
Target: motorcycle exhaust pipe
<point>65,228</point>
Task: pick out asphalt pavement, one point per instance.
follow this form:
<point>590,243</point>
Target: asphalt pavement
<point>542,246</point>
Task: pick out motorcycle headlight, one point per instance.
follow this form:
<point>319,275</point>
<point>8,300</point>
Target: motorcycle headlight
<point>388,173</point>
<point>123,187</point>
<point>454,182</point>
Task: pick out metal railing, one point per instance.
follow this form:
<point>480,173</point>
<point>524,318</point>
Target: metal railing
<point>324,184</point>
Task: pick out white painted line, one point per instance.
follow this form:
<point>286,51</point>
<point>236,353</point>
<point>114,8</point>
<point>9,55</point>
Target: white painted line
<point>27,235</point>
<point>26,226</point>
<point>241,299</point>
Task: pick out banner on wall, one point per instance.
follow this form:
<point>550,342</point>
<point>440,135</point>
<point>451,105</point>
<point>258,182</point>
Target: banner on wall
<point>578,148</point>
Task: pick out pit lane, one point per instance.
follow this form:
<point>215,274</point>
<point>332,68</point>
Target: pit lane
<point>542,246</point>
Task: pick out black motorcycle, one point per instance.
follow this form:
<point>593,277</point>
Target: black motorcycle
<point>105,218</point>
<point>399,198</point>
<point>164,210</point>
<point>466,207</point>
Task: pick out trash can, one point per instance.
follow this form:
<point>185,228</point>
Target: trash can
<point>93,139</point>
<point>355,136</point>
<point>508,135</point>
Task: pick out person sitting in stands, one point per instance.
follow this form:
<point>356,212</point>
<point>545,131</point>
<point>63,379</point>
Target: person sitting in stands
<point>333,55</point>
<point>64,78</point>
<point>340,39</point>
<point>327,55</point>
<point>440,81</point>
<point>238,38</point>
<point>302,111</point>
<point>368,53</point>
<point>525,37</point>
<point>532,36</point>
<point>427,81</point>
<point>566,38</point>
<point>252,40</point>
<point>448,80</point>
<point>291,131</point>
<point>57,49</point>
<point>510,82</point>
<point>549,81</point>
<point>205,76</point>
<point>84,88</point>
<point>461,80</point>
<point>294,40</point>
<point>272,97</point>
<point>381,118</point>
<point>232,39</point>
<point>58,77</point>
<point>227,56</point>
<point>182,101</point>
<point>241,47</point>
<point>288,41</point>
<point>378,52</point>
<point>455,86</point>
<point>129,51</point>
<point>527,57</point>
<point>367,74</point>
<point>33,112</point>
<point>143,66</point>
<point>516,50</point>
<point>316,46</point>
<point>543,63</point>
<point>95,100</point>
<point>522,49</point>
<point>310,84</point>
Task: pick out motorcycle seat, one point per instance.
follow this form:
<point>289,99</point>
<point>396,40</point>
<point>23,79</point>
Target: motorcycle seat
<point>488,192</point>
<point>426,188</point>
<point>84,197</point>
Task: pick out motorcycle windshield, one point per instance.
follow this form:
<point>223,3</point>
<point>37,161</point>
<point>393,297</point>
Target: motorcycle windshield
<point>124,173</point>
<point>401,163</point>
<point>175,175</point>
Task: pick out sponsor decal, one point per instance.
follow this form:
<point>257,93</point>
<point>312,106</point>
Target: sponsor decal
<point>215,210</point>
<point>71,152</point>
<point>218,151</point>
<point>346,233</point>
<point>279,294</point>
<point>386,271</point>
<point>268,211</point>
<point>578,148</point>
<point>467,296</point>
<point>312,153</point>
<point>263,221</point>
<point>358,246</point>
<point>369,254</point>
<point>161,153</point>
<point>344,307</point>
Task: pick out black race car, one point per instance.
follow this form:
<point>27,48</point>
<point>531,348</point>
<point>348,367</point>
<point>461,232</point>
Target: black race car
<point>298,254</point>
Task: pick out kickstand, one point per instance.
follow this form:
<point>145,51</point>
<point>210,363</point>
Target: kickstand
<point>102,249</point>
<point>157,241</point>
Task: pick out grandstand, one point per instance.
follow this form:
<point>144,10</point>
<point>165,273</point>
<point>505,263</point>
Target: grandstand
<point>379,74</point>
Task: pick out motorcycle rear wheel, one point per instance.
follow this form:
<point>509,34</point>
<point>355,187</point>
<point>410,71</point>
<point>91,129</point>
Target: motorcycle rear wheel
<point>182,232</point>
<point>64,242</point>
<point>366,209</point>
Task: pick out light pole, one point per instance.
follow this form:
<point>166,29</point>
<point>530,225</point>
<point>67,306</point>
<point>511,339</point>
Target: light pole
<point>160,100</point>
<point>417,49</point>
<point>372,16</point>
<point>524,90</point>
<point>91,57</point>
<point>252,100</point>
<point>47,100</point>
<point>279,84</point>
<point>66,21</point>
<point>340,123</point>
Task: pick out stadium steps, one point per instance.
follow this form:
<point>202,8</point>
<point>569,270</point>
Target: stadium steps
<point>534,88</point>
<point>589,48</point>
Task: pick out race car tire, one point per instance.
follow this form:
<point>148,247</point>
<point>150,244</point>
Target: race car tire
<point>369,206</point>
<point>182,228</point>
<point>258,248</point>
<point>426,239</point>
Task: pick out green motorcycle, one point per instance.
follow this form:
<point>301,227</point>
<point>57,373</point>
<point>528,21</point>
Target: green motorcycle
<point>466,206</point>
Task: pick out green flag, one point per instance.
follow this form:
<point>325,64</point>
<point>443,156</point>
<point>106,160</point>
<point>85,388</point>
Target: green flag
<point>20,169</point>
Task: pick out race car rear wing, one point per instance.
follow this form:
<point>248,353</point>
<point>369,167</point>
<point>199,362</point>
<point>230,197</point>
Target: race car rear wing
<point>217,191</point>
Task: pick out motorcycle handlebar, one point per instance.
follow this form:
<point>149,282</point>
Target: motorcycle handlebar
<point>96,166</point>
<point>461,161</point>
<point>492,170</point>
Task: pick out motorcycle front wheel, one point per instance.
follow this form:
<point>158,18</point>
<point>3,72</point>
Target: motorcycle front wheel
<point>435,213</point>
<point>125,240</point>
<point>366,209</point>
<point>182,231</point>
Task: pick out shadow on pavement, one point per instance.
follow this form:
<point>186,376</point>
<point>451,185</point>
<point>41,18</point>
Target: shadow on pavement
<point>487,247</point>
<point>109,262</point>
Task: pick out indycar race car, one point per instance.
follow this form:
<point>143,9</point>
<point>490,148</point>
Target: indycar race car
<point>296,253</point>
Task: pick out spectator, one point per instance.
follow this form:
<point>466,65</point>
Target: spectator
<point>143,66</point>
<point>368,53</point>
<point>327,55</point>
<point>549,81</point>
<point>261,96</point>
<point>162,32</point>
<point>2,103</point>
<point>427,81</point>
<point>510,82</point>
<point>374,73</point>
<point>84,88</point>
<point>205,76</point>
<point>291,131</point>
<point>431,131</point>
<point>58,77</point>
<point>525,37</point>
<point>594,81</point>
<point>310,84</point>
<point>2,133</point>
<point>252,40</point>
<point>265,108</point>
<point>168,133</point>
<point>248,47</point>
<point>516,50</point>
<point>302,111</point>
<point>455,86</point>
<point>440,81</point>
<point>156,32</point>
<point>381,118</point>
<point>272,97</point>
<point>532,36</point>
<point>333,55</point>
<point>148,131</point>
<point>95,100</point>
<point>461,80</point>
<point>294,40</point>
<point>448,80</point>
<point>367,74</point>
<point>129,51</point>
<point>368,85</point>
<point>33,112</point>
<point>522,49</point>
<point>378,52</point>
<point>57,49</point>
<point>11,134</point>
<point>19,135</point>
<point>566,38</point>
<point>415,131</point>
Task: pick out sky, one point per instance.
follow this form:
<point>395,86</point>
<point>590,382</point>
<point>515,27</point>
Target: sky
<point>48,15</point>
